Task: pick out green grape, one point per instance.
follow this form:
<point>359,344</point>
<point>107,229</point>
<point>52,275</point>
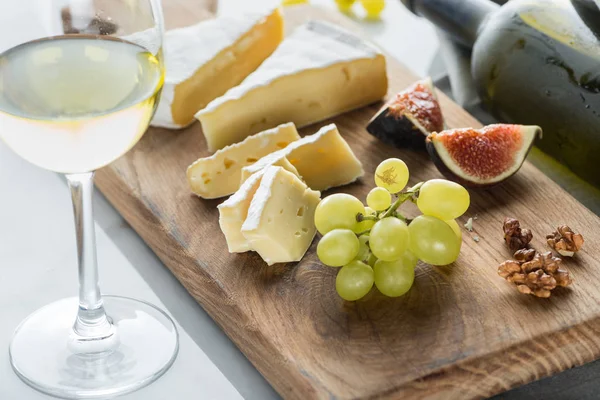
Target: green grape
<point>337,211</point>
<point>392,175</point>
<point>373,7</point>
<point>455,227</point>
<point>433,241</point>
<point>354,280</point>
<point>408,258</point>
<point>338,247</point>
<point>372,260</point>
<point>367,224</point>
<point>363,250</point>
<point>389,239</point>
<point>345,5</point>
<point>393,278</point>
<point>443,199</point>
<point>379,199</point>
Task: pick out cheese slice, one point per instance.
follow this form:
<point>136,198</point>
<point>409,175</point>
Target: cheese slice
<point>220,174</point>
<point>280,224</point>
<point>319,71</point>
<point>234,210</point>
<point>324,160</point>
<point>233,213</point>
<point>203,61</point>
<point>277,159</point>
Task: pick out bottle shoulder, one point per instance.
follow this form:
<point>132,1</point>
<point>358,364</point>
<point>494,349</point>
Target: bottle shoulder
<point>560,21</point>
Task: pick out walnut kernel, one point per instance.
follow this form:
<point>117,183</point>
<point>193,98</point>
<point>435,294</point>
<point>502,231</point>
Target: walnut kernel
<point>565,241</point>
<point>515,237</point>
<point>535,273</point>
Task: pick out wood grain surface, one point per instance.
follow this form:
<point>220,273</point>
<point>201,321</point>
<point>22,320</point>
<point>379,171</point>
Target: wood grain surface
<point>462,332</point>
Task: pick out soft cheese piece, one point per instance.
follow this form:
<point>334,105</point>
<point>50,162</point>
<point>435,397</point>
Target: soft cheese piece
<point>234,210</point>
<point>324,160</point>
<point>277,158</point>
<point>233,213</point>
<point>203,61</point>
<point>220,174</point>
<point>319,71</point>
<point>280,224</point>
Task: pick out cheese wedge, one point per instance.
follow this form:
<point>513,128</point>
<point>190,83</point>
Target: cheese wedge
<point>203,61</point>
<point>233,213</point>
<point>234,210</point>
<point>280,224</point>
<point>277,159</point>
<point>319,71</point>
<point>324,160</point>
<point>220,174</point>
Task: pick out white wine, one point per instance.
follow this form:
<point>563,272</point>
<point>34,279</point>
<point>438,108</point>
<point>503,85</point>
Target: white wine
<point>74,104</point>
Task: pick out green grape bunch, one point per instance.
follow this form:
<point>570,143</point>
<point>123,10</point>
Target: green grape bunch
<point>377,245</point>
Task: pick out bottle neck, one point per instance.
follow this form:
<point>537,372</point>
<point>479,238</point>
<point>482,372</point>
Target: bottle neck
<point>462,19</point>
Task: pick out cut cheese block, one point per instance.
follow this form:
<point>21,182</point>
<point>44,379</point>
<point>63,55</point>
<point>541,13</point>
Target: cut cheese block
<point>205,60</point>
<point>233,213</point>
<point>220,174</point>
<point>324,160</point>
<point>280,224</point>
<point>277,158</point>
<point>319,71</point>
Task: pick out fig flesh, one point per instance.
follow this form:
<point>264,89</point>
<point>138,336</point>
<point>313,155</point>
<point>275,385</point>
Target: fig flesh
<point>407,119</point>
<point>482,157</point>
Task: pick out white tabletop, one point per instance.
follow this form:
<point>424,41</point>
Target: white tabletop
<point>38,255</point>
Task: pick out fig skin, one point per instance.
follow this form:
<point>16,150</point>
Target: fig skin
<point>528,134</point>
<point>409,117</point>
<point>386,129</point>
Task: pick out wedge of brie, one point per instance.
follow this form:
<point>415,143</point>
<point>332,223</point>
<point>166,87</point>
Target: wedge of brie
<point>319,71</point>
<point>324,160</point>
<point>220,174</point>
<point>233,213</point>
<point>203,61</point>
<point>280,222</point>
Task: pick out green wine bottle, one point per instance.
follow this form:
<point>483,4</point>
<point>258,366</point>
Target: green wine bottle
<point>535,63</point>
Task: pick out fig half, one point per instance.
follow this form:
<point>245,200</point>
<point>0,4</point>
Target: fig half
<point>408,118</point>
<point>482,157</point>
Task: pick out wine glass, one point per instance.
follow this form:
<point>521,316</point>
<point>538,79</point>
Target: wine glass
<point>79,84</point>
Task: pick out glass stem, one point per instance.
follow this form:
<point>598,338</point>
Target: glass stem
<point>91,322</point>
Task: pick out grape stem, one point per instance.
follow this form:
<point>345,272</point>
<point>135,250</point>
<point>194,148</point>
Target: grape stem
<point>402,217</point>
<point>402,197</point>
<point>360,217</point>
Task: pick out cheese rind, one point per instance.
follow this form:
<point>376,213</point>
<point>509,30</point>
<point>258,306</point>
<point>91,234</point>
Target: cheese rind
<point>319,71</point>
<point>220,174</point>
<point>233,213</point>
<point>203,61</point>
<point>277,159</point>
<point>234,210</point>
<point>280,223</point>
<point>324,160</point>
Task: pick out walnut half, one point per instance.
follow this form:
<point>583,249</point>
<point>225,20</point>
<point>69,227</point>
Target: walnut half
<point>535,273</point>
<point>565,241</point>
<point>515,237</point>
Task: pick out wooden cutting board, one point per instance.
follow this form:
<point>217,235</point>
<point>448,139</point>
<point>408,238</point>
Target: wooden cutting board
<point>462,332</point>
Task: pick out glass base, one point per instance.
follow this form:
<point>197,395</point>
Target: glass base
<point>48,356</point>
